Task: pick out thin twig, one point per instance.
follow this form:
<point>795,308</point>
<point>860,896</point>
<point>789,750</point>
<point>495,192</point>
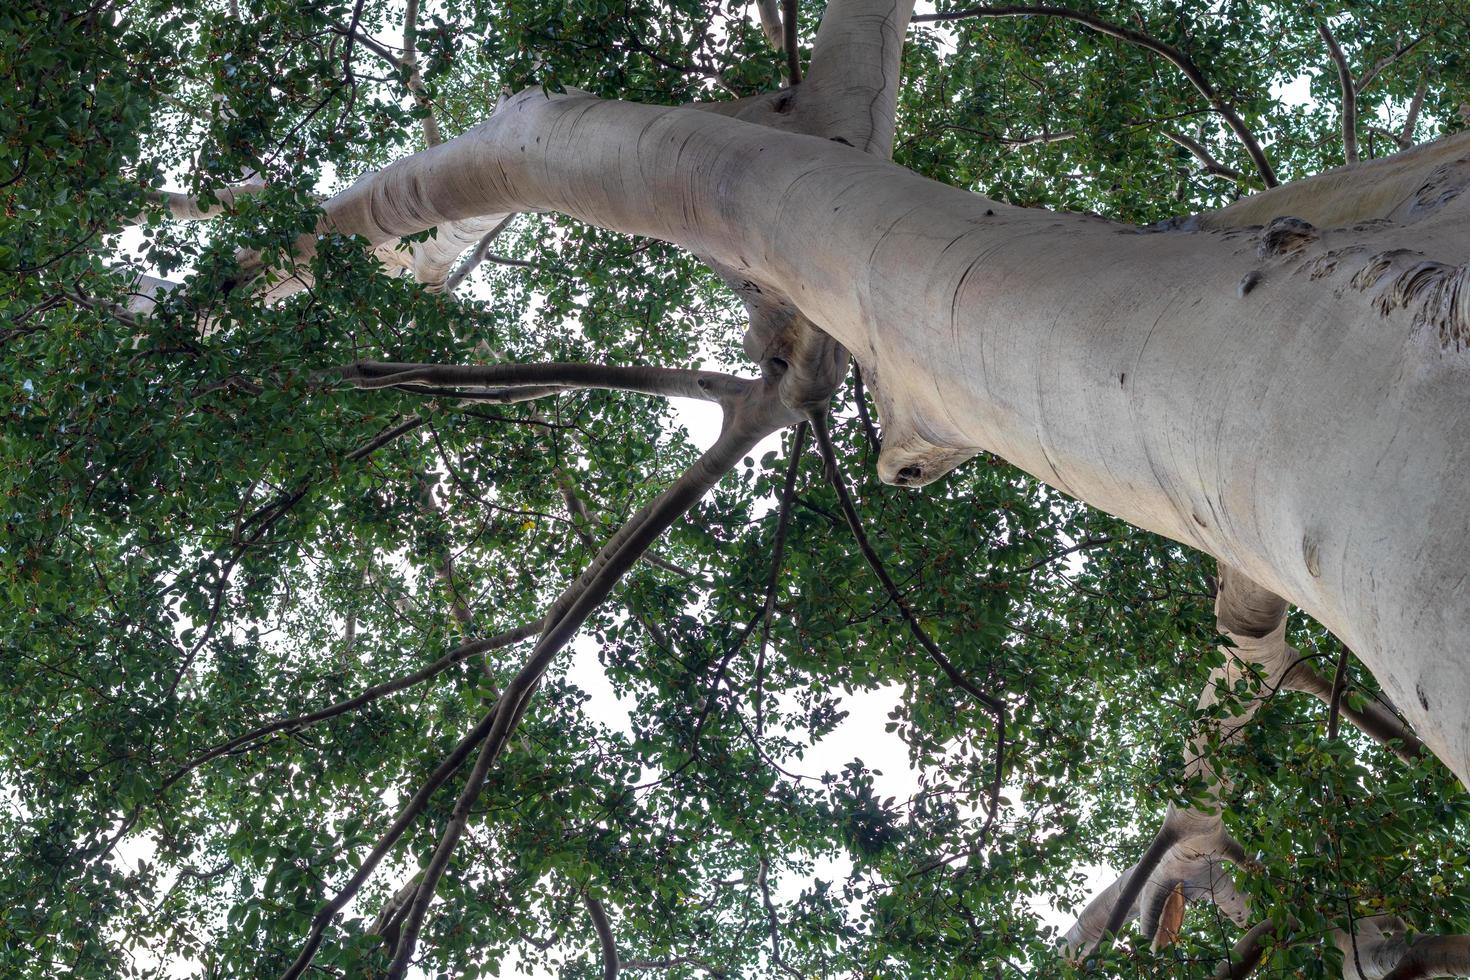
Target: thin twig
<point>855,524</point>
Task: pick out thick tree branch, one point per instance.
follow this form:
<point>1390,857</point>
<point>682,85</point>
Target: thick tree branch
<point>605,938</point>
<point>789,44</point>
<point>410,64</point>
<point>1248,951</point>
<point>188,207</point>
<point>1169,53</point>
<point>770,13</point>
<point>477,256</point>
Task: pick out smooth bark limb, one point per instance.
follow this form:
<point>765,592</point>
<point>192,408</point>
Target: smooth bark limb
<point>1380,948</point>
<point>606,941</point>
<point>1186,383</point>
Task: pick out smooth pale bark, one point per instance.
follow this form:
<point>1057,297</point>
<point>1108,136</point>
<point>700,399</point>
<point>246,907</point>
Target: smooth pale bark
<point>1380,948</point>
<point>1292,402</point>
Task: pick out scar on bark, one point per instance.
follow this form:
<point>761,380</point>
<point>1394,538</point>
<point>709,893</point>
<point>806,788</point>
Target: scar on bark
<point>1437,293</point>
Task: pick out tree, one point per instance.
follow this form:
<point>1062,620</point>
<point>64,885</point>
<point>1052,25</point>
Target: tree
<point>297,536</point>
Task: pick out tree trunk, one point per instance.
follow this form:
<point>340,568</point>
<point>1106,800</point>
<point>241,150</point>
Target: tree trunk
<point>1291,401</point>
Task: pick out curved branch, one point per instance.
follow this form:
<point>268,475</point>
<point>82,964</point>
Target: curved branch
<point>1248,951</point>
<point>1349,93</point>
<point>778,548</point>
<point>1169,53</point>
<point>477,256</point>
<point>457,655</point>
<point>958,679</point>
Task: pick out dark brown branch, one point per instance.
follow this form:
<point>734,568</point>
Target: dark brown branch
<point>406,816</point>
<point>855,524</point>
<point>958,679</point>
<point>1349,93</point>
<point>1386,61</point>
<point>1169,53</point>
<point>670,382</point>
<point>778,548</point>
<point>1157,850</point>
<point>1339,685</point>
<point>457,655</point>
<point>860,395</point>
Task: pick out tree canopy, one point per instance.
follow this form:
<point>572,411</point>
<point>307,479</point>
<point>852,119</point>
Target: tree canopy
<point>215,531</point>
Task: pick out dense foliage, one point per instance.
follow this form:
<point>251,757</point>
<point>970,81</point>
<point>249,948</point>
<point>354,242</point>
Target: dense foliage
<point>196,540</point>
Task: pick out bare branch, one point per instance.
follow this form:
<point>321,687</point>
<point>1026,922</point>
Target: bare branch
<point>773,924</point>
<point>860,395</point>
<point>1386,61</point>
<point>1169,53</point>
<point>855,524</point>
<point>476,257</point>
<point>670,382</point>
<point>1349,93</point>
<point>747,422</point>
<point>958,679</point>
